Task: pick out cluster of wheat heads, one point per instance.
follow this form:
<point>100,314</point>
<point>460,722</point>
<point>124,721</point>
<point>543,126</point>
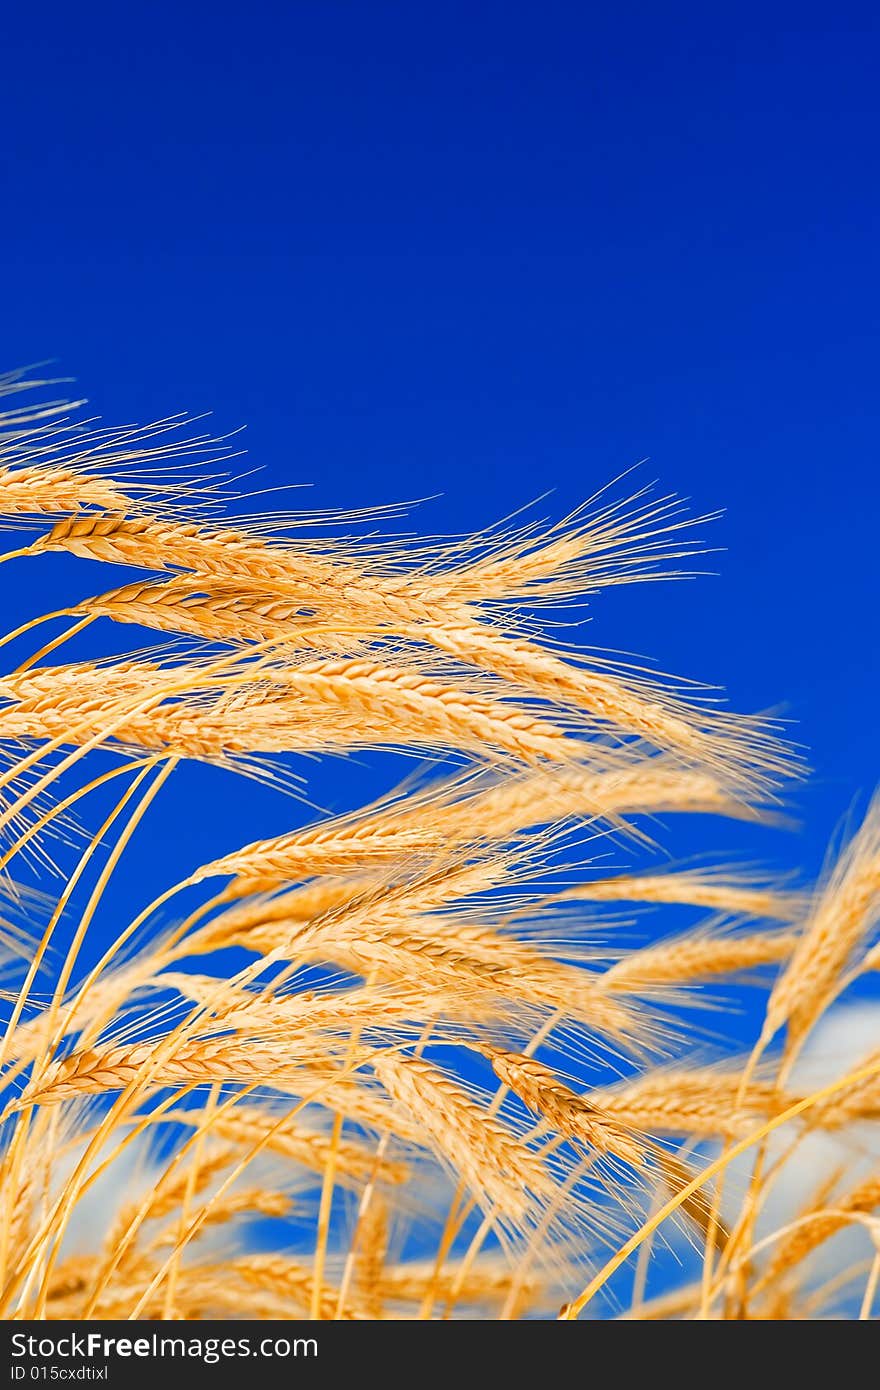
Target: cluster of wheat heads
<point>394,1063</point>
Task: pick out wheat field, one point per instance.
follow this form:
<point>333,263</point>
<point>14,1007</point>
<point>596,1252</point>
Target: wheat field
<point>409,1061</point>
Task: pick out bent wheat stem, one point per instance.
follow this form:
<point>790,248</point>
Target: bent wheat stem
<point>53,645</point>
<point>576,1307</point>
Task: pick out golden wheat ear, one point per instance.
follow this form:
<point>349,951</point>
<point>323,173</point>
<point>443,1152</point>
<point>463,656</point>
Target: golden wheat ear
<point>844,914</point>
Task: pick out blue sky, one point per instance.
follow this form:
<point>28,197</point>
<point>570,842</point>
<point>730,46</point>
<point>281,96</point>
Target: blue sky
<point>484,251</point>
